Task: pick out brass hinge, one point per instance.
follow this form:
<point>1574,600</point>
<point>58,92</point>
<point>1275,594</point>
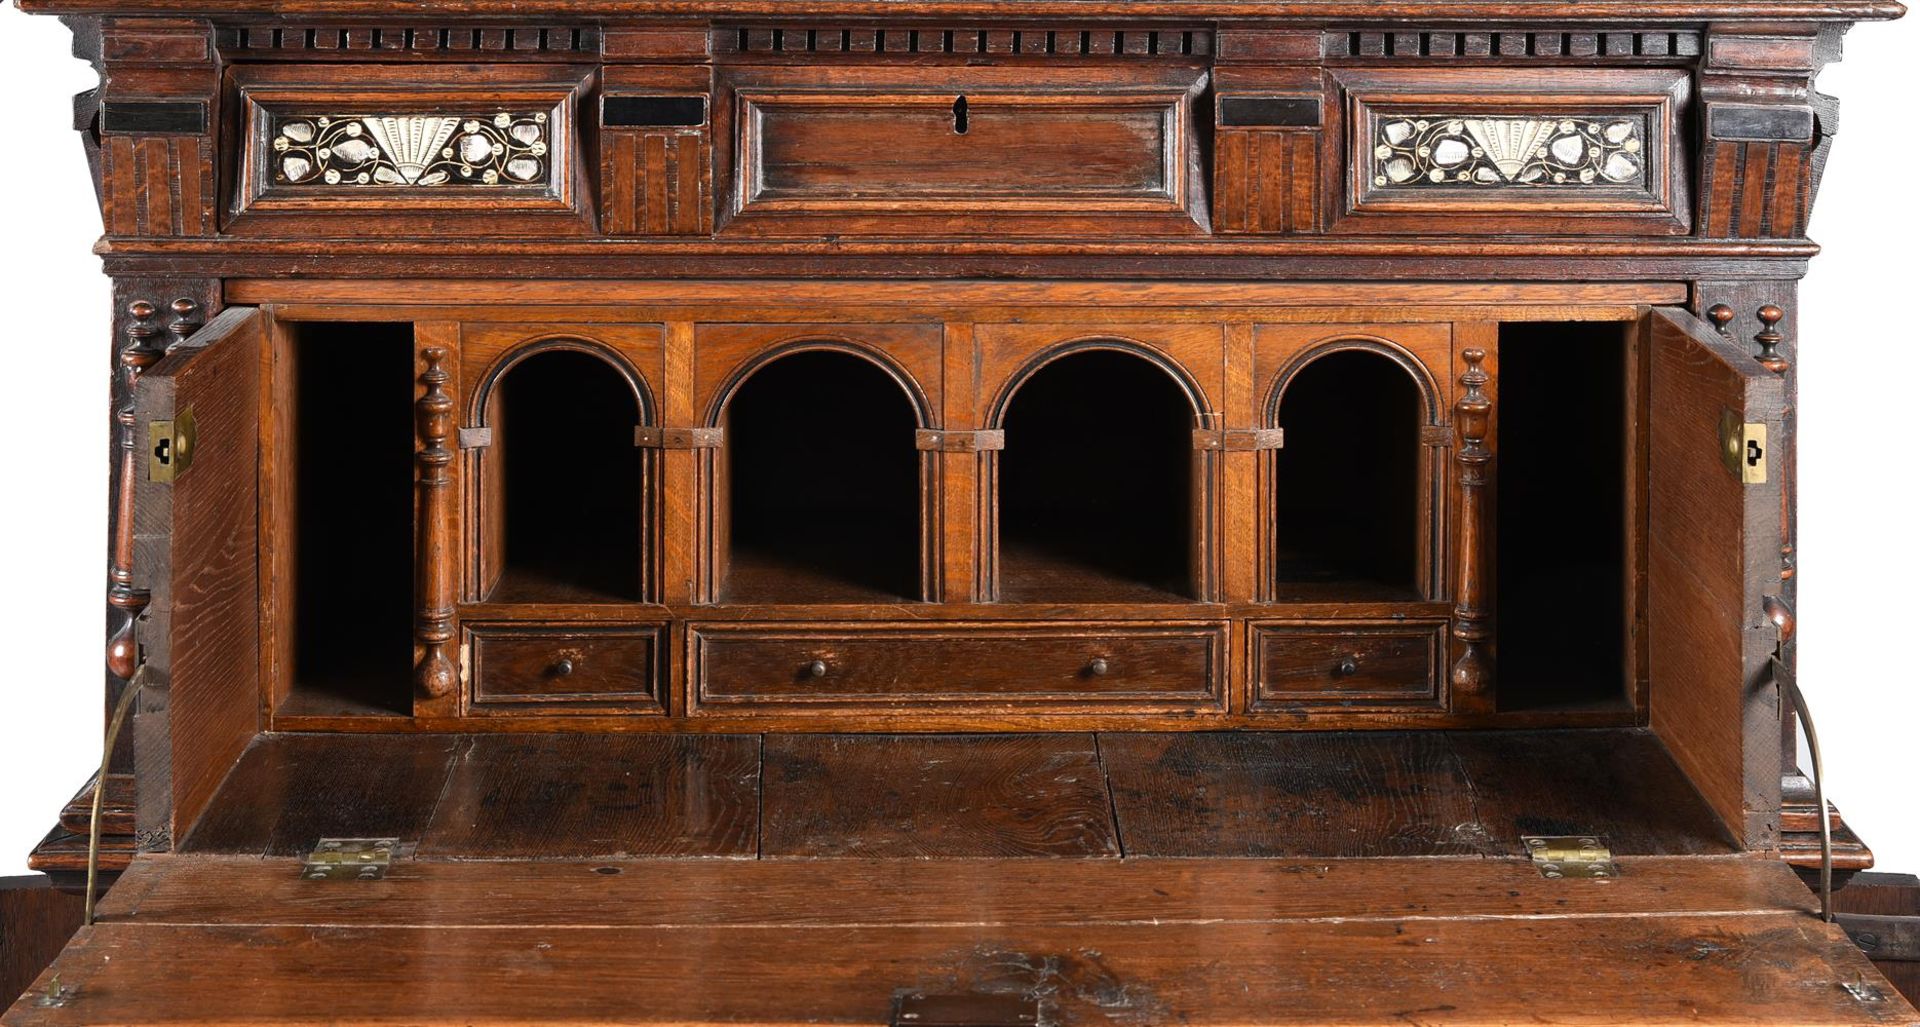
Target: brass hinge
<point>349,859</point>
<point>1743,448</point>
<point>1565,856</point>
<point>170,446</point>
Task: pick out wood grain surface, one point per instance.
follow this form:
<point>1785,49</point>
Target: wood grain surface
<point>913,796</point>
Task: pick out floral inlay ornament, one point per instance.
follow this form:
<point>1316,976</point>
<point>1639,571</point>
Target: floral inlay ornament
<point>1443,150</point>
<point>410,150</point>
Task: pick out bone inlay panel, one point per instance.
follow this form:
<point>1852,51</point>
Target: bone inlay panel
<point>410,150</point>
<point>1441,150</point>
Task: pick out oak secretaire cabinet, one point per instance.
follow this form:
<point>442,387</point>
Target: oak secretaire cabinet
<point>955,513</point>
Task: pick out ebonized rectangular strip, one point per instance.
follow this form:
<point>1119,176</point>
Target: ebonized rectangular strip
<point>1270,111</point>
<point>154,117</point>
<point>1760,123</point>
<point>653,111</point>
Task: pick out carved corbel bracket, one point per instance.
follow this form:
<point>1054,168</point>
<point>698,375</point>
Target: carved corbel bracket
<point>1765,129</point>
<point>151,126</point>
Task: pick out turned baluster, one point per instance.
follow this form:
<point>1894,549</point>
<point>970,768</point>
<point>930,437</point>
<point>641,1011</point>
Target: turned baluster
<point>435,674</point>
<point>1472,620</point>
<point>136,356</point>
<point>1770,339</point>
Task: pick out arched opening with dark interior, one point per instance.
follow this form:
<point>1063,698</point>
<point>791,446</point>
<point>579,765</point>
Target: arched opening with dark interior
<point>1096,483</point>
<point>822,483</point>
<point>1348,497</point>
<point>561,484</point>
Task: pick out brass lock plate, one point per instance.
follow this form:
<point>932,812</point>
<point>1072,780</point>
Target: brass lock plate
<point>1743,448</point>
<point>170,446</point>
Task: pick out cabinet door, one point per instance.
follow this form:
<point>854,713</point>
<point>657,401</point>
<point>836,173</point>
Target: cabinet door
<point>1713,554</point>
<point>196,518</point>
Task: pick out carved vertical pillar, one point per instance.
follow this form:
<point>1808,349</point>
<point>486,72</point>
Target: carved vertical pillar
<point>1472,677</point>
<point>435,673</point>
<point>127,601</point>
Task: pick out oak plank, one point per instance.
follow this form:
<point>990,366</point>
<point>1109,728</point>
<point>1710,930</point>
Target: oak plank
<point>1765,968</point>
<point>1302,795</point>
<point>1620,785</point>
<point>935,796</point>
<point>583,796</point>
<point>289,791</point>
<point>908,892</point>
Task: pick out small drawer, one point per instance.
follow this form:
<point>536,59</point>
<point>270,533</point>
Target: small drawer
<point>1347,664</point>
<point>1544,152</point>
<point>801,668</point>
<point>1053,151</point>
<point>411,145</point>
<point>538,669</point>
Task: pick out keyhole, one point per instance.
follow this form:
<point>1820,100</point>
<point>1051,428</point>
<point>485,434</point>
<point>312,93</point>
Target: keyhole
<point>163,452</point>
<point>1753,453</point>
<point>960,115</point>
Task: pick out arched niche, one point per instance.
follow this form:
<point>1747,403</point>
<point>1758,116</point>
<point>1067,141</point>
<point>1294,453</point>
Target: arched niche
<point>1096,486</point>
<point>822,483</point>
<point>1353,485</point>
<point>561,485</point>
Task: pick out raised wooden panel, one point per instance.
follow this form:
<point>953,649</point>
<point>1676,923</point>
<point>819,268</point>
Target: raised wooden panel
<point>560,668</point>
<point>411,144</point>
<point>1459,150</point>
<point>1042,150</point>
<point>809,668</point>
<point>1295,665</point>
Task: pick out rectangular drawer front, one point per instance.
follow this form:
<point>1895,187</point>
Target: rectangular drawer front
<point>1548,152</point>
<point>847,150</point>
<point>546,669</point>
<point>809,667</point>
<point>1347,664</point>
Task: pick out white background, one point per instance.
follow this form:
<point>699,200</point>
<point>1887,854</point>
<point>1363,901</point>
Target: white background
<point>1859,449</point>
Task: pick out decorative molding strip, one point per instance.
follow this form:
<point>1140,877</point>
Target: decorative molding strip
<point>458,40</point>
<point>1091,42</point>
<point>1625,43</point>
<point>410,149</point>
<point>1444,150</point>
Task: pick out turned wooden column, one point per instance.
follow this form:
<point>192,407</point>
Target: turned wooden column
<point>123,598</point>
<point>435,674</point>
<point>1472,677</point>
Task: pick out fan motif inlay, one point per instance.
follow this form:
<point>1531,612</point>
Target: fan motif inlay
<point>1442,150</point>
